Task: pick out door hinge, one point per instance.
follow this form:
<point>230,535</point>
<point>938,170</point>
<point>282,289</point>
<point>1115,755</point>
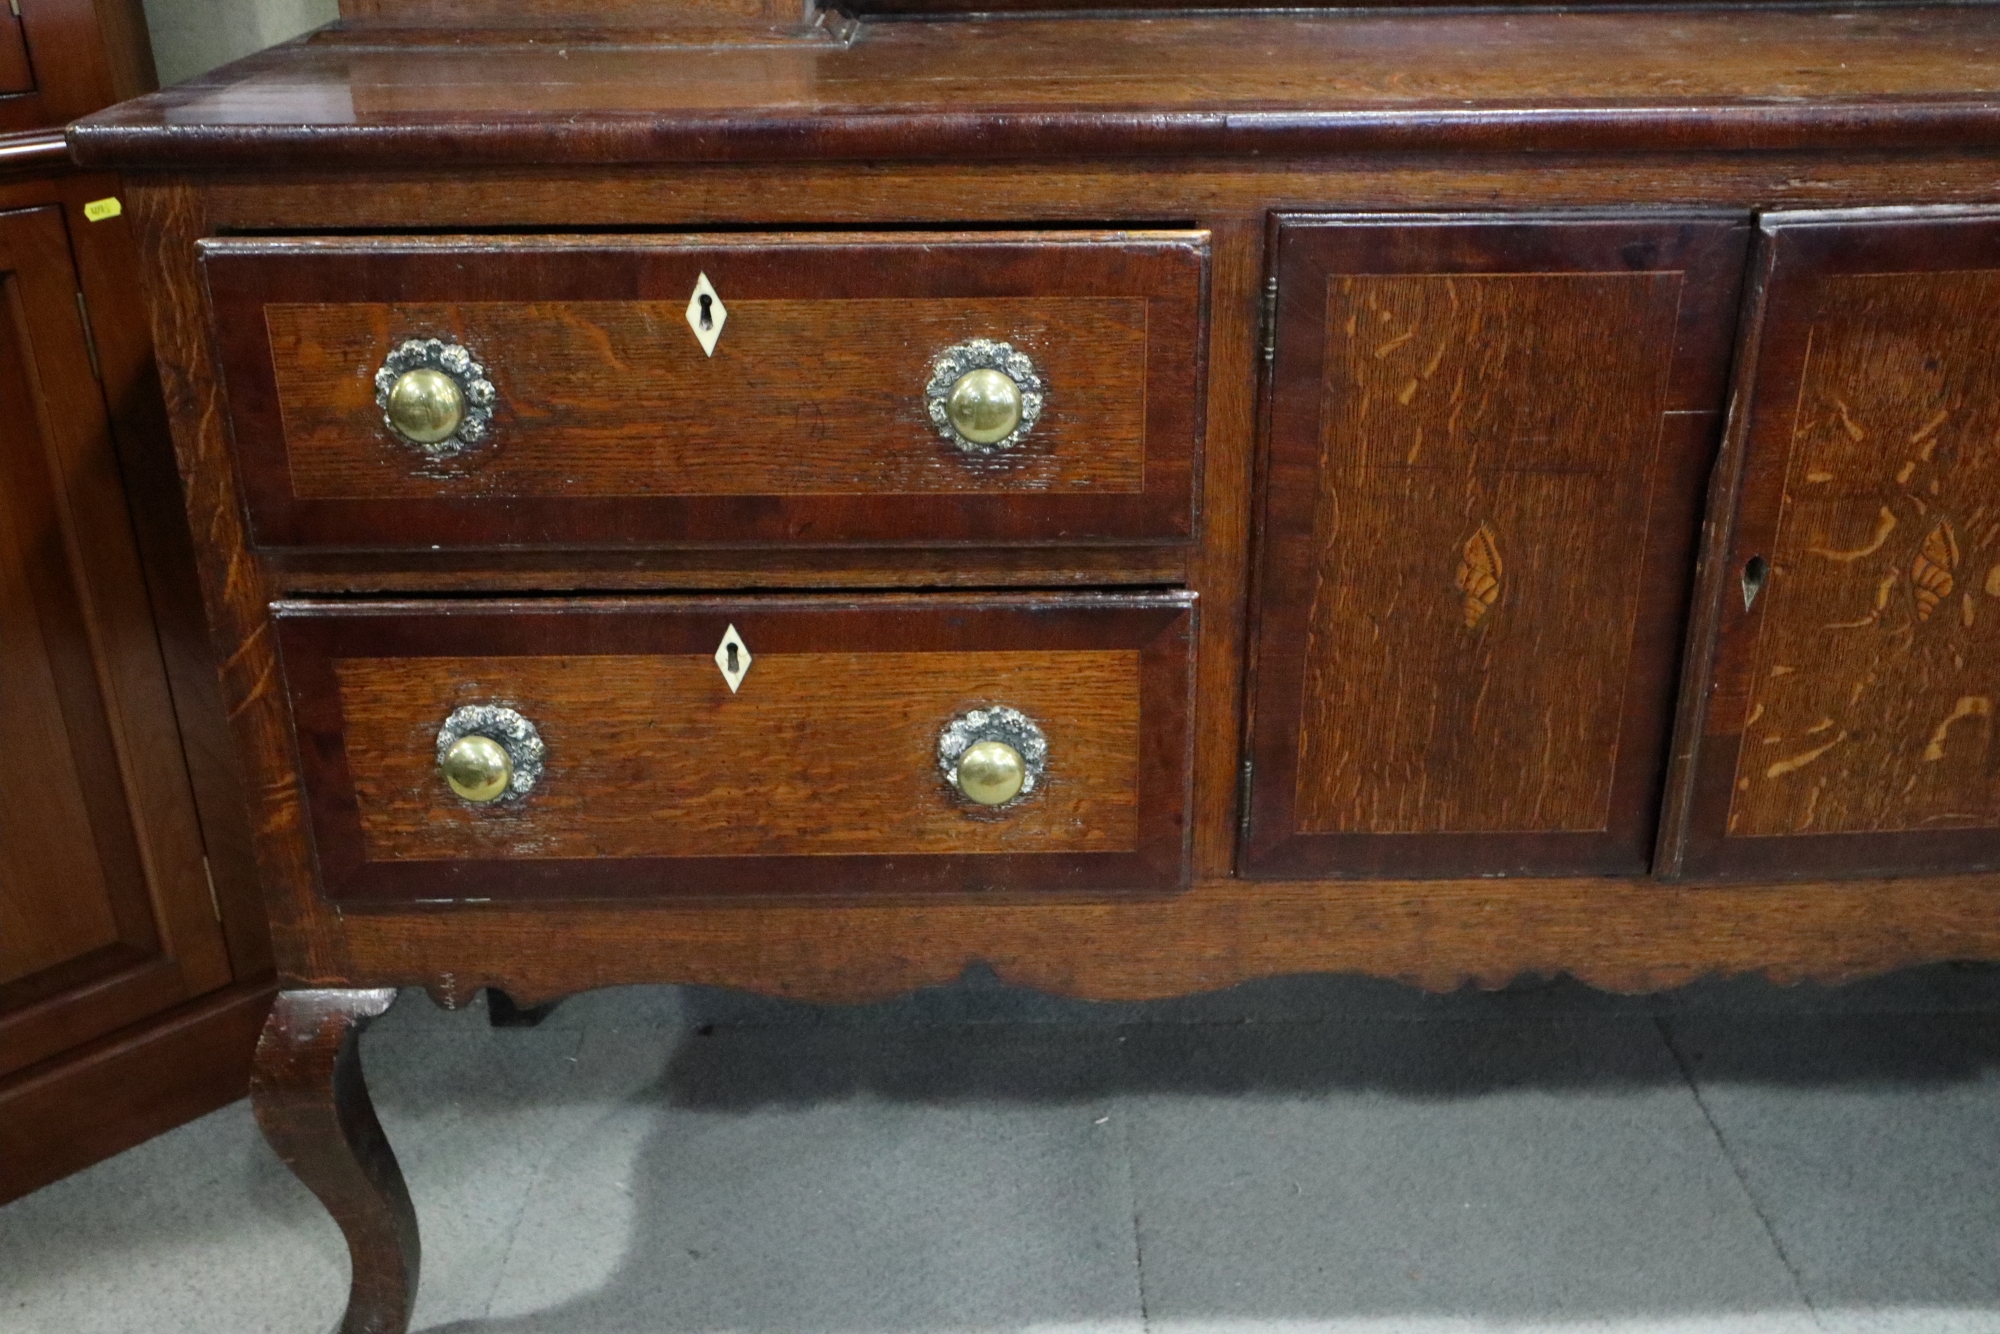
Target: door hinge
<point>89,338</point>
<point>213,901</point>
<point>1243,801</point>
<point>1267,321</point>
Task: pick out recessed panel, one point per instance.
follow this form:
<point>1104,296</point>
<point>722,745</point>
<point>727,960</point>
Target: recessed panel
<point>1850,700</point>
<point>1486,447</point>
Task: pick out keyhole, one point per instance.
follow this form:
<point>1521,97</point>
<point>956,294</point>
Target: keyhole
<point>1755,571</point>
<point>708,322</point>
<point>730,649</point>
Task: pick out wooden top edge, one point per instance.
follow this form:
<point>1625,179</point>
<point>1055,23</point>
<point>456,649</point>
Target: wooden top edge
<point>1042,87</point>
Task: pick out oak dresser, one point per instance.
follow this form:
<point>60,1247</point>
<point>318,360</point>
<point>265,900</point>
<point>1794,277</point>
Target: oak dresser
<point>810,501</point>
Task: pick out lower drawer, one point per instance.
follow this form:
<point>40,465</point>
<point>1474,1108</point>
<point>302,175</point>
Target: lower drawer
<point>465,751</point>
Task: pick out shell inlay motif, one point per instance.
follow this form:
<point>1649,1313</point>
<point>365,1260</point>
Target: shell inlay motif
<point>1479,571</point>
<point>1930,572</point>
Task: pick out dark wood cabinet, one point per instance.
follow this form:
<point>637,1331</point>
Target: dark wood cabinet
<point>105,913</point>
<point>134,960</point>
<point>1488,443</point>
<point>60,59</point>
<point>1475,374</point>
<point>1840,720</point>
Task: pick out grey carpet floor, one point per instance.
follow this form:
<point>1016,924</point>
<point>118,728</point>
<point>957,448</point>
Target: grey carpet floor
<point>1298,1155</point>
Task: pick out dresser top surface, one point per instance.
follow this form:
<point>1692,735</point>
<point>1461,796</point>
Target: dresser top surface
<point>1029,87</point>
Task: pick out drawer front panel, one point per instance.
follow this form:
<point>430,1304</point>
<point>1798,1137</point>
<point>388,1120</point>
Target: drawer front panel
<point>1849,725</point>
<point>807,419</point>
<point>818,772</point>
<point>1487,446</point>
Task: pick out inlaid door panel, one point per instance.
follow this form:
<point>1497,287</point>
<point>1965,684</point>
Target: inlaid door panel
<point>1840,717</point>
<point>1488,438</point>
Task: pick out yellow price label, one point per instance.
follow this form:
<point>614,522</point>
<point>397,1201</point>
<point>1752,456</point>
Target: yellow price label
<point>97,210</point>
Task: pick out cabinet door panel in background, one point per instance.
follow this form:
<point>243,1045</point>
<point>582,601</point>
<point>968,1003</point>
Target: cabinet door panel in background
<point>1488,441</point>
<point>105,913</point>
<point>1840,717</point>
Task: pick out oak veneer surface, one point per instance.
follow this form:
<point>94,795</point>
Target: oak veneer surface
<point>1541,547</point>
<point>345,136</point>
<point>807,423</point>
<point>800,401</point>
<point>1044,87</point>
<point>1851,721</point>
<point>818,774</point>
<point>1442,486</point>
<point>1622,934</point>
<point>1488,440</point>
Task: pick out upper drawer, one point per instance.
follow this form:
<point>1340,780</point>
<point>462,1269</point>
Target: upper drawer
<point>694,390</point>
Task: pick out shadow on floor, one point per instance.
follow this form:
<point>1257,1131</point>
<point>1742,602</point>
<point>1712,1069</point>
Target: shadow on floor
<point>1321,1153</point>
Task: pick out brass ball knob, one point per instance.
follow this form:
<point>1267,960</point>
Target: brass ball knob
<point>477,768</point>
<point>984,405</point>
<point>426,405</point>
<point>991,772</point>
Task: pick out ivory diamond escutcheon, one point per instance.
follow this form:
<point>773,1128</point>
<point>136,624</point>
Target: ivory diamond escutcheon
<point>705,314</point>
<point>732,655</point>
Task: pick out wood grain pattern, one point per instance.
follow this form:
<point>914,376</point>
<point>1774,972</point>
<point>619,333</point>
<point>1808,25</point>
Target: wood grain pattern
<point>1620,934</point>
<point>1455,407</point>
<point>818,775</point>
<point>1238,191</point>
<point>1875,672</point>
<point>312,1104</point>
<point>108,273</point>
<point>794,568</point>
<point>1849,727</point>
<point>1105,87</point>
<point>822,754</point>
<point>611,398</point>
<point>373,15</point>
<point>807,425</point>
<point>1486,440</point>
<point>1606,929</point>
<point>171,217</point>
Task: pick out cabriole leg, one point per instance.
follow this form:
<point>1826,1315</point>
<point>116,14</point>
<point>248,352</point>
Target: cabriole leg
<point>310,1099</point>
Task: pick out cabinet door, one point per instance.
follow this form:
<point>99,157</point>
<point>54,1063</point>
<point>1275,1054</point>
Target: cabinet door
<point>105,914</point>
<point>1487,442</point>
<point>1847,657</point>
